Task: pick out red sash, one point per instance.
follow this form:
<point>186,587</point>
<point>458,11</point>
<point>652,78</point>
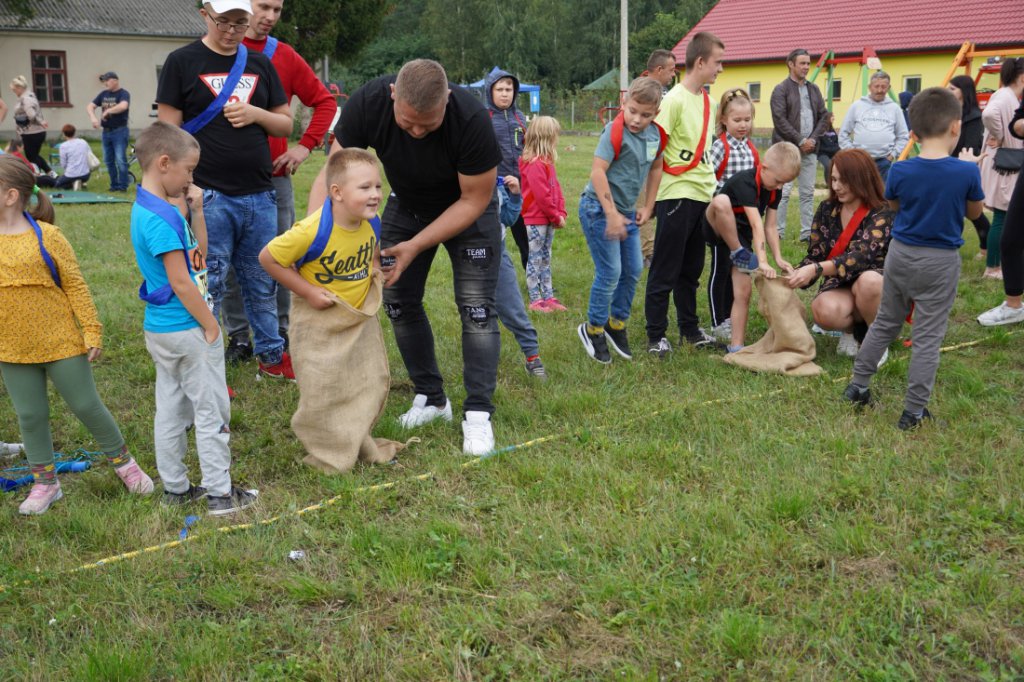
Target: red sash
<point>847,233</point>
<point>725,157</point>
<point>699,154</point>
<point>757,193</point>
<point>618,129</point>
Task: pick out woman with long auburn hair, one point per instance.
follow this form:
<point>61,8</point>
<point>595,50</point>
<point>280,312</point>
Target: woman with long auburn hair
<point>849,240</point>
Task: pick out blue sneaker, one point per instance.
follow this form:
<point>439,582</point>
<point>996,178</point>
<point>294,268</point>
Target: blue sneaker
<point>744,260</point>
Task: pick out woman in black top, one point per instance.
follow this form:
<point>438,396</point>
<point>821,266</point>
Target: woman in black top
<point>971,132</point>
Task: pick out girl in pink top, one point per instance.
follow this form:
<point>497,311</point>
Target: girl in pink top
<point>543,209</point>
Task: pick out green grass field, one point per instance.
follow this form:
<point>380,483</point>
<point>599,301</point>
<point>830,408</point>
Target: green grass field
<point>772,534</point>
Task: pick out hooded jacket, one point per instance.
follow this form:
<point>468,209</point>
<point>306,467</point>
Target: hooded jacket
<point>876,127</point>
<point>509,124</point>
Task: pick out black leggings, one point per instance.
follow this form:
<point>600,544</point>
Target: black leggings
<point>33,142</point>
<point>1012,243</point>
<point>518,230</point>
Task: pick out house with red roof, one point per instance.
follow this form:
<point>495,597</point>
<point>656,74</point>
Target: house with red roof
<point>915,40</point>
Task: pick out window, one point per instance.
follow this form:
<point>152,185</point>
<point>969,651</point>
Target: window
<point>50,78</point>
<point>912,83</point>
<point>837,89</point>
<point>754,90</point>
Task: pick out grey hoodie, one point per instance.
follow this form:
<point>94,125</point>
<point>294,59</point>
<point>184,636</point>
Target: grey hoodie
<point>876,127</point>
<point>509,124</point>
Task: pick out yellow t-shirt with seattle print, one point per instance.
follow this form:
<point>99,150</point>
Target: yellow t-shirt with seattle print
<point>682,117</point>
<point>345,266</point>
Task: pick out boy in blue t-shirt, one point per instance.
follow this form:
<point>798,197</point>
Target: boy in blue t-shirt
<point>930,194</point>
<point>628,153</point>
<point>182,335</point>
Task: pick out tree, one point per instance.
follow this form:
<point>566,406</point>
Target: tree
<point>336,28</point>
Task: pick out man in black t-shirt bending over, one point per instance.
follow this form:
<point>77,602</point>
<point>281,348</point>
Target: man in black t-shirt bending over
<point>440,155</point>
<point>234,163</point>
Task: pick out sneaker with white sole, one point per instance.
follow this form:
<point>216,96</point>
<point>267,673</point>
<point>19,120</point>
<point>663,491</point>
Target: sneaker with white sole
<point>11,449</point>
<point>744,260</point>
<point>477,434</point>
<point>659,349</point>
<point>848,346</point>
<point>815,328</point>
<point>723,332</point>
<point>234,501</point>
<point>701,340</point>
<point>420,413</point>
<point>1000,315</point>
<point>618,341</point>
<point>134,478</point>
<point>40,498</point>
<point>535,368</point>
<point>596,345</point>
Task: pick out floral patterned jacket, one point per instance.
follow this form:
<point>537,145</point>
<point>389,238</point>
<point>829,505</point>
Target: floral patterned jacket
<point>866,250</point>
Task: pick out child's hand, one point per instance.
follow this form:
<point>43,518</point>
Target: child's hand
<point>94,354</point>
<point>212,334</point>
<point>194,198</point>
<point>767,270</point>
<point>561,221</point>
<point>512,183</point>
<point>643,215</point>
<point>784,265</point>
<point>967,154</point>
<point>616,227</point>
<point>240,114</point>
<point>319,299</point>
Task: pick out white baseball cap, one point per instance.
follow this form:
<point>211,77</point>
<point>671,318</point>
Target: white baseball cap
<point>222,6</point>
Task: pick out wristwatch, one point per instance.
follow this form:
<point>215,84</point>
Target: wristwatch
<point>817,270</point>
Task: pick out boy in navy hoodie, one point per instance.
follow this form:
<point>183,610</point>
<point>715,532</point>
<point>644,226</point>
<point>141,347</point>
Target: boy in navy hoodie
<point>502,89</point>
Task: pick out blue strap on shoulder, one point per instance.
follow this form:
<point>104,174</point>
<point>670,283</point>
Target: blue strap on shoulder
<point>170,215</point>
<point>271,47</point>
<point>42,249</point>
<point>323,234</point>
<point>199,122</point>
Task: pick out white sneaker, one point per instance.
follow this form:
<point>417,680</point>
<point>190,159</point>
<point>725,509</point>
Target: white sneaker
<point>420,413</point>
<point>723,332</point>
<point>884,359</point>
<point>848,346</point>
<point>10,449</point>
<point>1001,314</point>
<point>824,332</point>
<point>477,435</point>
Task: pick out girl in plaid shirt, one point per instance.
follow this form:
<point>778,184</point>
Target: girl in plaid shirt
<point>731,152</point>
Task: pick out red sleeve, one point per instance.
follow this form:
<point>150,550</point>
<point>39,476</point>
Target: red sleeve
<point>311,92</point>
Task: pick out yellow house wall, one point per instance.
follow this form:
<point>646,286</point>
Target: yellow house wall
<point>931,68</point>
<point>135,59</point>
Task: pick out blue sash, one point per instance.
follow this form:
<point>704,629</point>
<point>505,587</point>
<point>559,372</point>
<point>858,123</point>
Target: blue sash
<point>170,215</point>
<point>42,249</point>
<point>323,234</point>
<point>235,75</point>
<point>271,47</point>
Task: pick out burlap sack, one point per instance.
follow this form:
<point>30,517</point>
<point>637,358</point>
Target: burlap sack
<point>788,347</point>
<point>342,370</point>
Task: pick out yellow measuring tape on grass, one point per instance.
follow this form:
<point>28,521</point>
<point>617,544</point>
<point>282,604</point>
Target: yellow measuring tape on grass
<point>127,556</point>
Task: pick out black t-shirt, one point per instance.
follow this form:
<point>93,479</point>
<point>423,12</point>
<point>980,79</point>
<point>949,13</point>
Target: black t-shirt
<point>742,191</point>
<point>423,173</point>
<point>108,100</point>
<point>234,161</point>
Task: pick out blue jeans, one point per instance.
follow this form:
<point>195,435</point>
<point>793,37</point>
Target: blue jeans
<point>617,264</point>
<point>508,303</point>
<point>115,143</point>
<point>883,165</point>
<point>238,228</point>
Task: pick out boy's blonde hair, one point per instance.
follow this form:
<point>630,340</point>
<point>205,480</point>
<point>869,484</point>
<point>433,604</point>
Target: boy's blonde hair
<point>644,90</point>
<point>161,139</point>
<point>542,139</point>
<point>730,96</point>
<point>339,163</point>
<point>785,157</point>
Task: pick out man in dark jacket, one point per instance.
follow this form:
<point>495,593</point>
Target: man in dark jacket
<point>799,116</point>
<point>501,90</point>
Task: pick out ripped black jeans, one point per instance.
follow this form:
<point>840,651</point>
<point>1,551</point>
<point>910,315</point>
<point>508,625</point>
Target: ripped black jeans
<point>475,258</point>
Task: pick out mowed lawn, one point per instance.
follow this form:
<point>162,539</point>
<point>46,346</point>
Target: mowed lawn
<point>686,519</point>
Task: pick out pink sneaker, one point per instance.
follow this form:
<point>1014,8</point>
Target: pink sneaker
<point>135,479</point>
<point>540,305</point>
<point>40,498</point>
<point>555,304</point>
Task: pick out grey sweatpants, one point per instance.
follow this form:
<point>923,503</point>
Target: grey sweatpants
<point>808,174</point>
<point>232,309</point>
<point>191,389</point>
<point>927,278</point>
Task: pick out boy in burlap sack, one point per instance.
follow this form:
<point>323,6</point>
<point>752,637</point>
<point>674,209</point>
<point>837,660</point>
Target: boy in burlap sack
<point>331,263</point>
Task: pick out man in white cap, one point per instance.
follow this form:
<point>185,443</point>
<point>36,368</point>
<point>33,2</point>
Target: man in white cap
<point>231,100</point>
<point>299,80</point>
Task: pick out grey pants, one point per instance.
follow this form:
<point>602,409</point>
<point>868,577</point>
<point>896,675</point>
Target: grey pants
<point>808,173</point>
<point>926,278</point>
<point>191,389</point>
<point>233,311</point>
